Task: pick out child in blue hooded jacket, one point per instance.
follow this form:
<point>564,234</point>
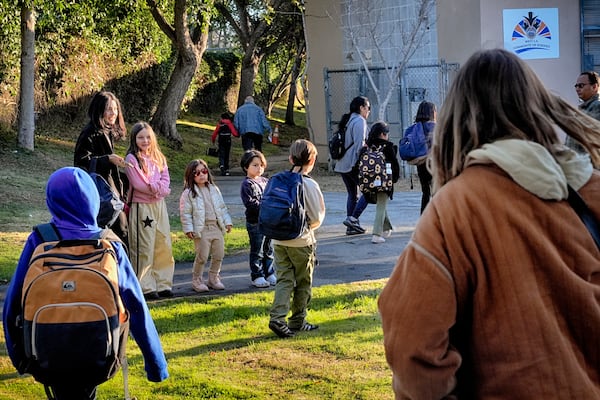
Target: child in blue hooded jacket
<point>73,202</point>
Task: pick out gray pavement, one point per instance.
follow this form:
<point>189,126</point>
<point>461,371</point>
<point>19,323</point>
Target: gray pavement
<point>342,259</point>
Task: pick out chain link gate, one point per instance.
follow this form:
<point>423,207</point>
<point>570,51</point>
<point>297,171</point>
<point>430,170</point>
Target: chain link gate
<point>417,83</point>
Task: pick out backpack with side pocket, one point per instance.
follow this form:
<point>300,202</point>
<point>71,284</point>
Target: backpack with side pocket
<point>281,215</point>
<point>73,322</point>
<point>413,146</point>
<point>374,173</point>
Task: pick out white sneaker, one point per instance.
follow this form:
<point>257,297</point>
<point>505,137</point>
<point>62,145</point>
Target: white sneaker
<point>377,239</point>
<point>260,282</point>
<point>272,279</point>
<point>387,233</point>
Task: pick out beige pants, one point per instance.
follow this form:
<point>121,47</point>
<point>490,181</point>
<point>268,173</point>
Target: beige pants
<point>211,243</point>
<point>150,248</point>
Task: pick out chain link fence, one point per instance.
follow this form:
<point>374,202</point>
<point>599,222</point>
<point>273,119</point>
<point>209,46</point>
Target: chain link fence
<point>417,83</point>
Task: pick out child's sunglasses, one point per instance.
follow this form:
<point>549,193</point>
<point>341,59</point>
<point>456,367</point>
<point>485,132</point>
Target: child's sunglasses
<point>201,171</point>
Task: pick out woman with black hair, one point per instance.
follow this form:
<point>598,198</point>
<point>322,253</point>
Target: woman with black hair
<point>426,114</point>
<point>94,151</point>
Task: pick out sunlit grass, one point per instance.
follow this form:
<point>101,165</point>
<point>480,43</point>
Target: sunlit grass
<point>24,176</point>
<point>220,347</point>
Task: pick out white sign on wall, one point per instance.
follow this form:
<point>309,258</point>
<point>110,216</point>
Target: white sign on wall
<point>531,32</point>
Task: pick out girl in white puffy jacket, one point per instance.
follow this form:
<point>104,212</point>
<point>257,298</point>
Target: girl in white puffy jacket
<point>205,219</point>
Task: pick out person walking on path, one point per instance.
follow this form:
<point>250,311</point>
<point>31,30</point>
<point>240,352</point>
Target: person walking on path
<point>295,258</point>
<point>150,247</point>
<point>205,220</point>
<point>262,273</point>
<point>378,138</point>
<point>73,202</point>
<point>94,150</point>
<point>587,86</point>
<point>506,306</point>
<point>222,135</point>
<point>251,123</point>
<point>355,124</point>
<point>426,115</point>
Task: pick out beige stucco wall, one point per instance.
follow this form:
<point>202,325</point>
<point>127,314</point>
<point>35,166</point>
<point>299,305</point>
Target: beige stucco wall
<point>325,49</point>
<point>465,26</point>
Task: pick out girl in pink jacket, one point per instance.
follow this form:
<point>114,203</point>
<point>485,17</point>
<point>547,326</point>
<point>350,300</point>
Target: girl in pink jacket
<point>150,248</point>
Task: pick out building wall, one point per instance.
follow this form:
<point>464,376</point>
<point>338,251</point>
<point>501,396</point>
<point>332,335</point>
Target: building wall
<point>329,46</point>
<point>465,26</point>
<point>325,49</point>
<point>461,27</point>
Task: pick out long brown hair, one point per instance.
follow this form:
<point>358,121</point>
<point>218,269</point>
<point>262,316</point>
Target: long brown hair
<point>495,96</point>
<point>155,154</point>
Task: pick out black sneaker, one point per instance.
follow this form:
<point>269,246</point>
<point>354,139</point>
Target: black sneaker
<point>352,231</point>
<point>353,223</point>
<point>165,293</point>
<point>151,296</point>
<point>281,329</point>
<point>306,327</point>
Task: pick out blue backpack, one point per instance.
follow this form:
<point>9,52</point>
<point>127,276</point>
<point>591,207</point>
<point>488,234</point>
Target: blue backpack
<point>413,146</point>
<point>282,215</point>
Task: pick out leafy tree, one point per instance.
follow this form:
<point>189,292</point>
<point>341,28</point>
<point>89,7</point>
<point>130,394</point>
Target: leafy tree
<point>283,66</point>
<point>261,26</point>
<point>189,35</point>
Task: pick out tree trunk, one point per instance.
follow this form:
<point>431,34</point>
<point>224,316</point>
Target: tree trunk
<point>26,98</point>
<point>190,48</point>
<point>289,112</point>
<point>248,75</point>
<point>164,120</point>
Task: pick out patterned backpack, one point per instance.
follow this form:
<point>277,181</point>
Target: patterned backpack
<point>374,173</point>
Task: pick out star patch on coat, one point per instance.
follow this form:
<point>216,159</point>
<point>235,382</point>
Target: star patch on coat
<point>148,222</point>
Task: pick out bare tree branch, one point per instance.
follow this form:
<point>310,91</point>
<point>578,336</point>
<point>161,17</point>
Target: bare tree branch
<point>161,21</point>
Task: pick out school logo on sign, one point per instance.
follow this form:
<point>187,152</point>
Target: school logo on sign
<point>531,28</point>
<point>532,33</point>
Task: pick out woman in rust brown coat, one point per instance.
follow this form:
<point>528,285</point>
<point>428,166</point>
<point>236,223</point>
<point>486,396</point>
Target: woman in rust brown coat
<point>497,295</point>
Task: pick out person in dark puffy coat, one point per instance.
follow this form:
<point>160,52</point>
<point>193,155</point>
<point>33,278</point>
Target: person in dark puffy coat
<point>378,137</point>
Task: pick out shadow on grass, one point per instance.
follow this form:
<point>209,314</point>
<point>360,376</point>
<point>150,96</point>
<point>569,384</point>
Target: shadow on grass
<point>327,331</point>
<point>216,315</point>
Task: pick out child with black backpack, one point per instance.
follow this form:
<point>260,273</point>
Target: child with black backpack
<point>295,258</point>
<point>223,132</point>
<point>60,354</point>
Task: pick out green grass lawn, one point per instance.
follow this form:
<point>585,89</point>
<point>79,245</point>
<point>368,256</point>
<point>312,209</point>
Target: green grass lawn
<point>221,348</point>
<point>24,175</point>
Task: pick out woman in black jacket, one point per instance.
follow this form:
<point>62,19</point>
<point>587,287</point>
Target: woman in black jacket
<point>378,138</point>
<point>94,151</point>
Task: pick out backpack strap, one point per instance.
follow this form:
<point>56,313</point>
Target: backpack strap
<point>48,232</point>
<point>584,213</point>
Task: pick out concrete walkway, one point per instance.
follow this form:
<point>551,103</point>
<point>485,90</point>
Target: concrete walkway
<point>342,258</point>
